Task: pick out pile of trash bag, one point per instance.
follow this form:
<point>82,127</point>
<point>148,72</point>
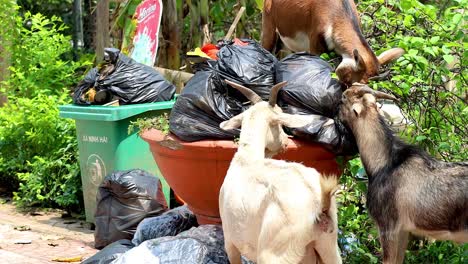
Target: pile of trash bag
<point>172,237</point>
<point>198,245</point>
<point>204,103</point>
<point>310,90</point>
<point>121,78</point>
<point>207,100</point>
<point>124,199</point>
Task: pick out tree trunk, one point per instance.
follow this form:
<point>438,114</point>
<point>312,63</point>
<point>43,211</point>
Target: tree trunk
<point>204,19</point>
<point>171,36</point>
<point>102,29</point>
<point>195,37</point>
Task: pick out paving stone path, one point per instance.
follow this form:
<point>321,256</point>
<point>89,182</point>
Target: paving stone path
<point>41,237</point>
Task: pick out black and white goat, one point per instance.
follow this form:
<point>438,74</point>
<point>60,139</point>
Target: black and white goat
<point>409,191</point>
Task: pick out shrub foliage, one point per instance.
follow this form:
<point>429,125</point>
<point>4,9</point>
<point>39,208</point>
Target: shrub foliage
<point>38,149</point>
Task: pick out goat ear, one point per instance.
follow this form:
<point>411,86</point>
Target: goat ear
<point>296,121</point>
<point>232,123</point>
<point>267,6</point>
<point>369,99</point>
<point>357,108</point>
<point>360,65</point>
<point>390,55</point>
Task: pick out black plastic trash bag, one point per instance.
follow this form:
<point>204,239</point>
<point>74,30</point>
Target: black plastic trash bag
<point>131,82</point>
<point>205,102</point>
<point>246,62</point>
<point>201,245</point>
<point>110,252</point>
<point>169,223</point>
<point>312,90</point>
<point>124,199</point>
<point>310,87</point>
<point>83,86</point>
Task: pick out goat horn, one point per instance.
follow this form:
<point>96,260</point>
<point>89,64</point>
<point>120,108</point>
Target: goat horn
<point>380,77</point>
<point>382,95</point>
<point>274,92</point>
<point>379,95</point>
<point>249,94</point>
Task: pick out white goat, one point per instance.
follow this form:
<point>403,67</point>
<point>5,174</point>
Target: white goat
<point>274,211</point>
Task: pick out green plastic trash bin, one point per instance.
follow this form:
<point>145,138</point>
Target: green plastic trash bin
<point>105,145</point>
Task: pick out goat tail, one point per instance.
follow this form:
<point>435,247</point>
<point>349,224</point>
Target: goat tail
<point>329,185</point>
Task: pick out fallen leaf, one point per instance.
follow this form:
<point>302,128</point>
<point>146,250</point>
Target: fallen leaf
<point>35,213</point>
<point>23,242</point>
<point>72,259</point>
<point>65,215</point>
<point>22,228</point>
<point>51,237</point>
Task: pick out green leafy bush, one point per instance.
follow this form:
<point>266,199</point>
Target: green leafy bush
<point>47,7</point>
<point>435,45</point>
<point>38,149</point>
<point>39,62</point>
<point>358,234</point>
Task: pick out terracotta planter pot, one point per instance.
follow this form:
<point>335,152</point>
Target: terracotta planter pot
<point>196,170</point>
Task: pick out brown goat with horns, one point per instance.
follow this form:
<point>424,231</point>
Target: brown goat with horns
<point>408,191</point>
<point>319,26</point>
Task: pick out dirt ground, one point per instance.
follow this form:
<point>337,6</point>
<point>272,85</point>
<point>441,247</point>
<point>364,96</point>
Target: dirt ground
<point>40,237</point>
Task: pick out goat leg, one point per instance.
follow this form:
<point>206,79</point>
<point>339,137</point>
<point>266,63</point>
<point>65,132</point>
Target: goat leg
<point>232,252</point>
<point>269,35</point>
<point>311,255</point>
<point>394,243</point>
<point>402,245</point>
<point>288,245</point>
<point>327,248</point>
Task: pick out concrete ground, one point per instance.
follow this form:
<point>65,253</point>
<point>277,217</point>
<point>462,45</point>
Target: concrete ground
<point>41,237</point>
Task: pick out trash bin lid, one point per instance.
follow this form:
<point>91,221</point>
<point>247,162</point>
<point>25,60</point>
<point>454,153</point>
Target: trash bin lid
<point>110,113</point>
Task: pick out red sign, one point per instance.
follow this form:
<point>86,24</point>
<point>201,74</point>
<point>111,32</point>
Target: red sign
<point>145,42</point>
